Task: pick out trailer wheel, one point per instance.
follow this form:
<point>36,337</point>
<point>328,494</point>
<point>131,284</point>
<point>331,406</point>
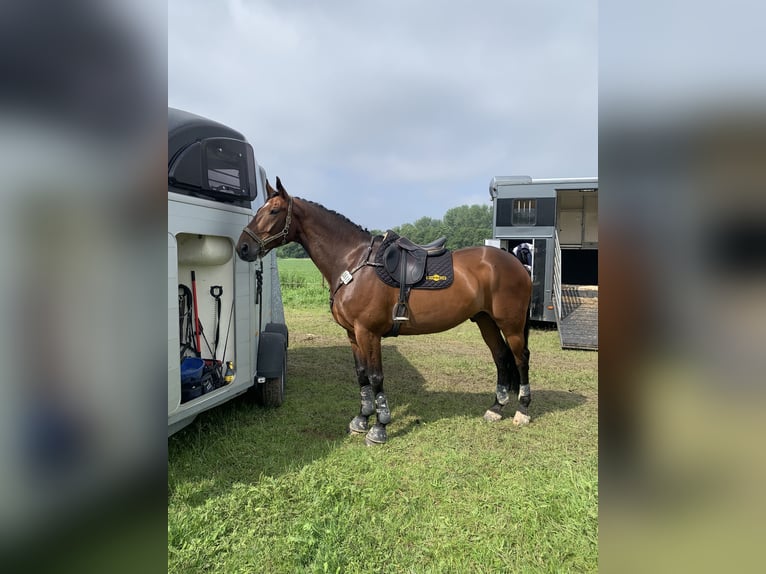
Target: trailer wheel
<point>272,392</point>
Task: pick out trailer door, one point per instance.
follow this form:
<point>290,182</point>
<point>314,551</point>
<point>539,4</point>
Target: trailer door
<point>590,226</point>
<point>174,368</point>
<point>570,228</point>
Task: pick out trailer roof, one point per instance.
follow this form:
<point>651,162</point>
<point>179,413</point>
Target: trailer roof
<point>565,182</point>
<point>185,128</point>
<point>525,179</point>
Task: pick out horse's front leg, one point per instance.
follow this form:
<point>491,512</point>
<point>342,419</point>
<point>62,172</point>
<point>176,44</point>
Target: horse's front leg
<point>359,424</point>
<point>369,369</point>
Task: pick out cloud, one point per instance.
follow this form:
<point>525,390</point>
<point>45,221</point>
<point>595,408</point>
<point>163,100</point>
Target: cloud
<point>394,92</point>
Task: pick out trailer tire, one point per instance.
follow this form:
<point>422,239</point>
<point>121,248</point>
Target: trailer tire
<point>272,364</point>
<point>272,393</point>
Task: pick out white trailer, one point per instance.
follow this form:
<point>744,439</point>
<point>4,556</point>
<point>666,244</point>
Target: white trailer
<point>559,218</point>
<point>214,187</point>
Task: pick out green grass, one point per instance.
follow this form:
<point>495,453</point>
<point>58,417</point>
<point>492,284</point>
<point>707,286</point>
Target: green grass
<point>286,490</point>
<point>302,284</point>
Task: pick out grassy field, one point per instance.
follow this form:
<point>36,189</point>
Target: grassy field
<point>287,490</point>
<point>302,284</point>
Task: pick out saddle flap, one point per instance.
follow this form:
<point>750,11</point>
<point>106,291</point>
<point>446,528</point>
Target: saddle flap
<point>408,264</point>
<point>391,259</point>
<point>416,266</point>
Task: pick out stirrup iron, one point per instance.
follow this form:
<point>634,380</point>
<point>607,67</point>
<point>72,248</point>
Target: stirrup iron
<point>401,313</point>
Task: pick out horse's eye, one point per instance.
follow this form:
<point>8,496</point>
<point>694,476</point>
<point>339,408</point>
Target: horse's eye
<point>274,211</point>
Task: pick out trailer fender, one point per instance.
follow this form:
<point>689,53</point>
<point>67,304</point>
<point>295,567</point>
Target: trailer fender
<point>271,355</point>
<point>278,328</point>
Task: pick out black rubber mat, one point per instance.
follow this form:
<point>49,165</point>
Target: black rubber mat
<point>578,327</point>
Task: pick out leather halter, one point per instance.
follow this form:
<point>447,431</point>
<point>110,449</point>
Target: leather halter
<point>262,242</point>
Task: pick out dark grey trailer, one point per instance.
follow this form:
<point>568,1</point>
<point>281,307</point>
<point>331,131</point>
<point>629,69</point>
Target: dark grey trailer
<point>559,218</point>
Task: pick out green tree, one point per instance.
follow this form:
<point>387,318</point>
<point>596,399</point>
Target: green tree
<point>292,251</point>
<point>424,230</point>
<point>467,225</point>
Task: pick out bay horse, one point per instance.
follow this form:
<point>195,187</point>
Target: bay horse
<point>490,287</point>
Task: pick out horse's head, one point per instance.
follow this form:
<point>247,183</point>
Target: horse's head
<point>270,227</point>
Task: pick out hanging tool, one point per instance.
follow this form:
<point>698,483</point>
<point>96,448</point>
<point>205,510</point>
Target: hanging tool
<point>185,321</point>
<point>197,326</point>
<point>204,338</point>
<point>216,291</point>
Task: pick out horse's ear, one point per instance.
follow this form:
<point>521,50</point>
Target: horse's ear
<point>270,191</point>
<point>279,191</point>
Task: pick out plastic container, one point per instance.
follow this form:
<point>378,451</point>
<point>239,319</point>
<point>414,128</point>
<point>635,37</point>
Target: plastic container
<point>191,369</point>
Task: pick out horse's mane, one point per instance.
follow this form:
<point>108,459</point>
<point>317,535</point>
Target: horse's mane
<point>337,215</point>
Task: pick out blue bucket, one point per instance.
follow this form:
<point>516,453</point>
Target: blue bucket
<point>191,369</point>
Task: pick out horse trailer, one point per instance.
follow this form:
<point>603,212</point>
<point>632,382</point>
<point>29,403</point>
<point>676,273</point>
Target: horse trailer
<point>226,326</point>
<point>558,218</point>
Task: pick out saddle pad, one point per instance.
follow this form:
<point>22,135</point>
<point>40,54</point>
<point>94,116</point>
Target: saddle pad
<point>439,274</point>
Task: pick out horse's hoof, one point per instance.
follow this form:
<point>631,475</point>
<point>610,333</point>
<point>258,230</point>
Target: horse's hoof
<point>520,419</point>
<point>492,416</point>
<point>358,425</point>
<point>376,436</point>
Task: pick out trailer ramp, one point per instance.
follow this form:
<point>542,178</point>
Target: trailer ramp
<point>578,321</point>
<point>575,308</point>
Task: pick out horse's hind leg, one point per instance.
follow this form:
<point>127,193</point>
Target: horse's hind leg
<point>517,337</point>
<point>507,373</point>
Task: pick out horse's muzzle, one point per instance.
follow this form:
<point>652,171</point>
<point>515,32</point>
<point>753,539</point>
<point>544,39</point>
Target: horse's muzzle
<point>246,253</point>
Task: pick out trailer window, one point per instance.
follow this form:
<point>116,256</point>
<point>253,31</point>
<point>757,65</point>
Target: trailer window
<point>226,166</point>
<point>524,212</point>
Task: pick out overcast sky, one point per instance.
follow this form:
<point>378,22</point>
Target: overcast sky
<point>388,111</point>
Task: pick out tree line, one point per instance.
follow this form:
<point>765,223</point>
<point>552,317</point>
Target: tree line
<point>463,226</point>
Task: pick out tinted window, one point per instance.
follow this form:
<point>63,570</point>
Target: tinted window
<point>524,212</point>
<point>221,168</point>
<point>226,166</point>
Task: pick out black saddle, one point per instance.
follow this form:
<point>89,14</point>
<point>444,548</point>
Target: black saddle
<point>406,262</point>
<point>406,265</point>
<point>433,249</point>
